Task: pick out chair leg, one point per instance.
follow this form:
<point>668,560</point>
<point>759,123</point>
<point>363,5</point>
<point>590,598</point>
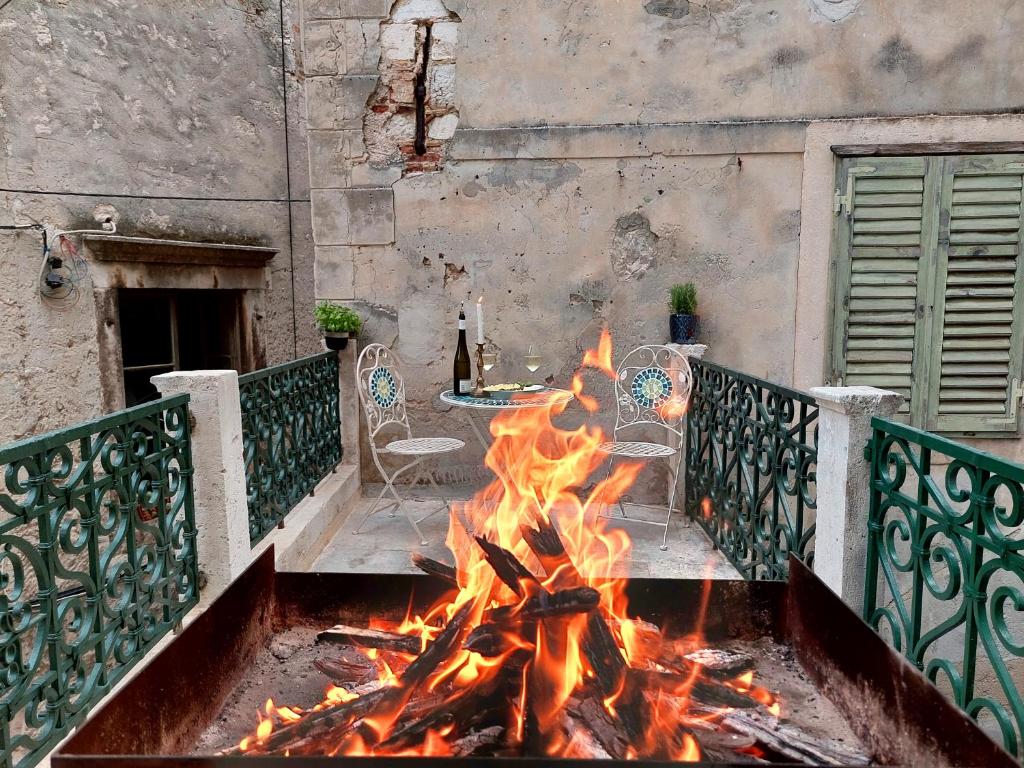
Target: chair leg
<point>607,474</point>
<point>398,503</point>
<point>408,513</point>
<point>444,499</point>
<point>671,501</point>
<point>373,506</point>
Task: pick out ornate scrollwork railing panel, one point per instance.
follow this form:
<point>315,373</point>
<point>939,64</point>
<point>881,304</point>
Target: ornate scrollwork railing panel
<point>291,435</point>
<point>751,464</point>
<point>945,569</point>
<point>97,563</point>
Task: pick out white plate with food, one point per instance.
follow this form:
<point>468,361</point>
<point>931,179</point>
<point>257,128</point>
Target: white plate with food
<point>507,391</point>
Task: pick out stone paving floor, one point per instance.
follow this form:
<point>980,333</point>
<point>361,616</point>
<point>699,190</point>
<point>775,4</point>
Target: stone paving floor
<point>386,544</point>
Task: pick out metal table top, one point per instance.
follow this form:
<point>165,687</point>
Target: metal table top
<point>545,397</point>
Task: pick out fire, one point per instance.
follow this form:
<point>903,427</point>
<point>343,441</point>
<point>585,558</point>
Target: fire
<point>542,479</point>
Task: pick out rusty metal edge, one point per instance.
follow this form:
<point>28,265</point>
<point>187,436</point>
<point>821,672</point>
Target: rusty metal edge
<point>906,713</point>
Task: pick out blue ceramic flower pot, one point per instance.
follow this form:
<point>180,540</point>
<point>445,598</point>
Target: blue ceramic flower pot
<point>683,329</point>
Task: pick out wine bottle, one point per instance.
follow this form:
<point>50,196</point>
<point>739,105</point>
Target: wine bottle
<point>462,370</point>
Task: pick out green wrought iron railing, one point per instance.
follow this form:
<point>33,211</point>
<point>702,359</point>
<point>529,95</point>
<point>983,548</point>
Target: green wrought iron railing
<point>97,563</point>
<point>291,435</point>
<point>751,463</point>
<point>945,569</point>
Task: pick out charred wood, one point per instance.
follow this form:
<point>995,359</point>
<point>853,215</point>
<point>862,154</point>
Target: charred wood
<point>330,724</point>
<point>608,731</point>
<point>476,741</point>
<point>787,740</point>
<point>709,692</point>
<point>507,567</point>
<point>544,605</point>
<point>370,638</point>
<point>547,546</point>
<point>721,663</point>
<point>436,568</point>
<point>343,672</point>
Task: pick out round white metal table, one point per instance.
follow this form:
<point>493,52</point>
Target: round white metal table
<point>480,405</point>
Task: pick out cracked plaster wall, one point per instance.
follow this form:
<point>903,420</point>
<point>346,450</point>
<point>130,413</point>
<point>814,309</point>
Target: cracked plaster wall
<point>606,150</point>
<point>131,106</point>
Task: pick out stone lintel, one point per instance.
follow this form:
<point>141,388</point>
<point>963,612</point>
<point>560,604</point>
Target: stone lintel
<point>158,251</point>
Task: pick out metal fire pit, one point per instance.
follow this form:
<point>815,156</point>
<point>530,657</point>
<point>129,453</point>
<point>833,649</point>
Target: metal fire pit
<point>155,721</point>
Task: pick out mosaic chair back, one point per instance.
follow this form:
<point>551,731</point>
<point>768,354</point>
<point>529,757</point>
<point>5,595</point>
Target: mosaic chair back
<point>652,387</point>
<point>382,390</point>
<point>97,563</point>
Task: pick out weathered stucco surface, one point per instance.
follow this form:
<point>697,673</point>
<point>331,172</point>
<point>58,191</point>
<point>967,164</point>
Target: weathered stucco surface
<point>606,150</point>
<point>647,61</point>
<point>176,120</point>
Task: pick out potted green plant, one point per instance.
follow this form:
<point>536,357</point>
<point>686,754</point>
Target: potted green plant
<point>684,322</point>
<point>338,323</point>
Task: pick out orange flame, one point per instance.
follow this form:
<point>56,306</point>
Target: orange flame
<point>541,476</point>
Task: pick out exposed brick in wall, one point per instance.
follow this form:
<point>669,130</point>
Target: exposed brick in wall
<point>417,50</point>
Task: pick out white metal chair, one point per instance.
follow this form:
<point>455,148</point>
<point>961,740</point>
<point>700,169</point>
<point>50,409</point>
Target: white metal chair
<point>382,393</point>
<point>652,389</point>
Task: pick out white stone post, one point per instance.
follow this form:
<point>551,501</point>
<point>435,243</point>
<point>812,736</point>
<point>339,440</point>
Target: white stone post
<point>348,403</point>
<point>690,352</point>
<point>222,513</point>
<point>843,484</point>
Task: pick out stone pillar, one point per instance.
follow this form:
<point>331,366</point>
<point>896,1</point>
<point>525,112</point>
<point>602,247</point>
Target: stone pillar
<point>844,475</point>
<point>222,513</point>
<point>690,352</point>
<point>348,403</point>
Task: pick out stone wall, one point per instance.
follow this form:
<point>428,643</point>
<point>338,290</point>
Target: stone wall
<point>603,151</point>
<point>173,121</point>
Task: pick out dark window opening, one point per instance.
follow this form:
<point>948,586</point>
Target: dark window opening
<point>183,330</point>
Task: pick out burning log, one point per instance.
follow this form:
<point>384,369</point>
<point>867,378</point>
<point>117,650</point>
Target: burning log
<point>608,732</point>
<point>341,671</point>
<point>711,662</point>
<point>433,567</point>
<point>547,546</point>
<point>721,663</point>
<point>465,712</point>
<point>546,605</point>
<point>489,640</point>
<point>506,566</point>
<point>786,740</point>
<point>370,638</point>
<point>583,742</point>
<point>329,724</point>
<point>709,692</point>
<point>598,644</point>
<point>474,741</point>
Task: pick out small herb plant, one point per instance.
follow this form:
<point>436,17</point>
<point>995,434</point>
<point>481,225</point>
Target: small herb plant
<point>682,298</point>
<point>334,318</point>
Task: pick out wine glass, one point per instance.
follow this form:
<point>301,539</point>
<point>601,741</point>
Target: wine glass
<point>490,358</point>
<point>532,361</point>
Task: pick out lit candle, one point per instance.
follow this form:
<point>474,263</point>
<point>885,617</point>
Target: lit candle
<point>480,320</point>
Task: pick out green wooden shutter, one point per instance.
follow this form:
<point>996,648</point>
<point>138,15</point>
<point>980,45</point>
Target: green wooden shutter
<point>887,223</point>
<point>977,339</point>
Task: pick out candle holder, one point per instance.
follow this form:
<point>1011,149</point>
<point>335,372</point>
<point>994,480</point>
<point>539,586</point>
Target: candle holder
<point>480,391</point>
